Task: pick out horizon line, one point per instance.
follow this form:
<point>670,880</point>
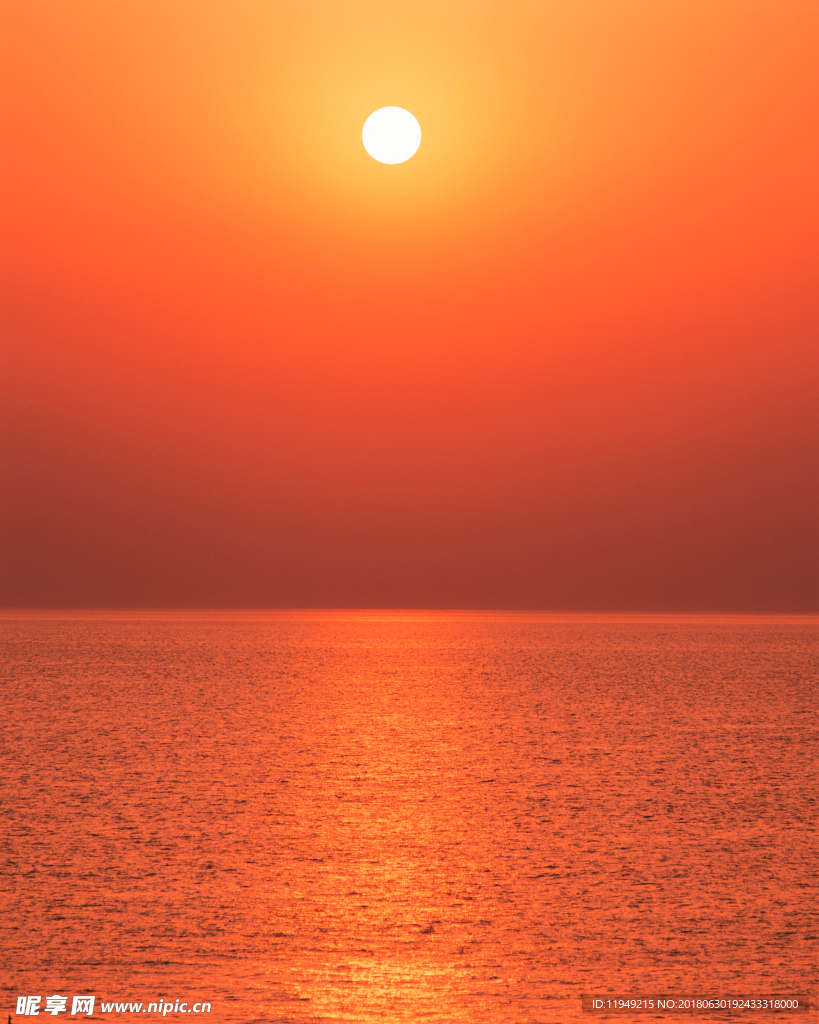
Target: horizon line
<point>233,610</point>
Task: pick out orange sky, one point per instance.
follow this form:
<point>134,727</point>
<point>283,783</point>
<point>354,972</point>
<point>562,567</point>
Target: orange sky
<point>565,357</point>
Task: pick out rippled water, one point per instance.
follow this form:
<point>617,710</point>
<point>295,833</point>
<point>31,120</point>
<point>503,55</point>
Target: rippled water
<point>402,817</point>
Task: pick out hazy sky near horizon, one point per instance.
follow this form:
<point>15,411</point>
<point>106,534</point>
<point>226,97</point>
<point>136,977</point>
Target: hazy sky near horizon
<point>564,358</point>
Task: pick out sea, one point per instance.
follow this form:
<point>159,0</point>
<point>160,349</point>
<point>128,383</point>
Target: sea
<point>385,816</point>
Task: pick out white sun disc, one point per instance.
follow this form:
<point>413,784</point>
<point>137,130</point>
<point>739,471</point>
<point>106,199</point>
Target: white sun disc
<point>391,135</point>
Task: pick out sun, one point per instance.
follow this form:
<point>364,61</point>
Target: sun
<point>391,135</point>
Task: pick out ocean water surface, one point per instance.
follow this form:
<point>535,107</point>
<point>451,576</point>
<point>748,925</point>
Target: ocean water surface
<point>395,817</point>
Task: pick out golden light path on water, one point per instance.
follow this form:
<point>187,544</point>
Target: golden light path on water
<point>367,817</point>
